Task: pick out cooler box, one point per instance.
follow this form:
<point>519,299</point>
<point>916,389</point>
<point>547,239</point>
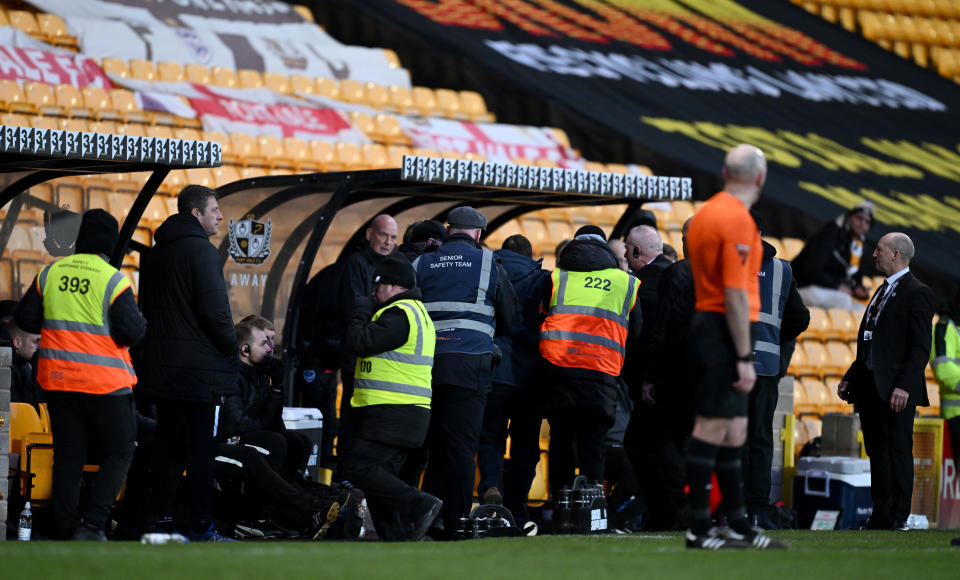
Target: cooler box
<point>833,483</point>
<point>310,423</point>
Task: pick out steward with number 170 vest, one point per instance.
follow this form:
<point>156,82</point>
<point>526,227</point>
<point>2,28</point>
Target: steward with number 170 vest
<point>395,348</point>
<point>590,312</point>
<point>86,315</point>
<point>470,299</point>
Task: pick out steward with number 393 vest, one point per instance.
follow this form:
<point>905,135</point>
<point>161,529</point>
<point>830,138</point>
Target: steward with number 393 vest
<point>590,315</point>
<point>86,315</point>
<point>391,399</point>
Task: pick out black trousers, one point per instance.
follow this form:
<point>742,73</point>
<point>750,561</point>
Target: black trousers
<point>576,440</point>
<point>298,448</point>
<point>345,430</point>
<point>510,409</point>
<point>320,392</point>
<point>456,414</point>
<point>374,467</point>
<point>757,458</point>
<point>259,459</point>
<point>81,422</point>
<point>888,438</point>
<point>185,434</point>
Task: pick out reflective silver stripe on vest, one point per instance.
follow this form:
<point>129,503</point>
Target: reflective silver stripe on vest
<point>949,403</point>
<point>562,290</point>
<point>582,337</point>
<point>460,307</point>
<point>589,311</point>
<point>486,266</point>
<point>465,324</point>
<point>626,301</point>
<point>86,327</point>
<point>415,359</point>
<point>944,360</point>
<point>43,279</point>
<point>772,317</point>
<point>415,262</point>
<point>82,357</point>
<point>392,387</point>
<point>115,279</point>
<point>418,348</point>
<point>767,347</point>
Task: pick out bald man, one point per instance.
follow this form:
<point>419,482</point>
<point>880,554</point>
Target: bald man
<point>725,256</point>
<point>356,281</point>
<point>886,381</point>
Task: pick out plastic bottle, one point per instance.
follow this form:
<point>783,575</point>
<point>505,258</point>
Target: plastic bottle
<point>25,528</point>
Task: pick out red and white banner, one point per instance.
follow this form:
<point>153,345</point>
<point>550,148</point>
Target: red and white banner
<point>28,62</point>
<point>494,141</point>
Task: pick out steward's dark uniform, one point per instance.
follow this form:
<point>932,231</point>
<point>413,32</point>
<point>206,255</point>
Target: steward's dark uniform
<point>470,299</point>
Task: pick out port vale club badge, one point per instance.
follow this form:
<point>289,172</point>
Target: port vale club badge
<point>250,241</point>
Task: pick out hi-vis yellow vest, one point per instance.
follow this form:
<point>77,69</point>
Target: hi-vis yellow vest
<point>945,361</point>
<point>401,376</point>
<point>587,324</point>
<point>77,352</point>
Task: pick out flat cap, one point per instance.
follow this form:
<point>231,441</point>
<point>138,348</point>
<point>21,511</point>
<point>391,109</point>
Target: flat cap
<point>466,218</point>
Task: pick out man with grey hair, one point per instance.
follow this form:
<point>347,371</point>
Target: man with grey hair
<point>643,246</point>
<point>886,381</point>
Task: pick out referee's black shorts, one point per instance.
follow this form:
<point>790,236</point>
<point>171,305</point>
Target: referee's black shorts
<point>714,361</point>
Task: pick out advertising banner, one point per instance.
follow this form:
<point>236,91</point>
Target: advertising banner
<point>839,118</point>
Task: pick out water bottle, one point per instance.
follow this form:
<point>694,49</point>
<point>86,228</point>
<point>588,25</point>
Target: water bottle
<point>25,528</point>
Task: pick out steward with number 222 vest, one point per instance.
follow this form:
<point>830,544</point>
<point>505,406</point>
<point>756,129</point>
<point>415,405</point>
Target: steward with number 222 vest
<point>588,318</point>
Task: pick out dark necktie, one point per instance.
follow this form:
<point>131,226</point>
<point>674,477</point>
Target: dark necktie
<point>874,310</point>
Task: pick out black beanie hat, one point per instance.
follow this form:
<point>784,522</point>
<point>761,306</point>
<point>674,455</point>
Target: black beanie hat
<point>590,230</point>
<point>395,269</point>
<point>98,233</point>
<point>427,229</point>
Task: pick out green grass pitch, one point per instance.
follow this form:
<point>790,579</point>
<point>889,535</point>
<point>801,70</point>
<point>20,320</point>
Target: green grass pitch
<point>821,555</point>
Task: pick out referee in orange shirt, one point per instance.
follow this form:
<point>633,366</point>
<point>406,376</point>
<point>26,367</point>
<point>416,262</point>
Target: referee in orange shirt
<point>725,254</point>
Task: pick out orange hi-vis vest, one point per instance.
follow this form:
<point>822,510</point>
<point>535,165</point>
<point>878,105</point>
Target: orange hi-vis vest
<point>587,323</point>
<point>77,352</point>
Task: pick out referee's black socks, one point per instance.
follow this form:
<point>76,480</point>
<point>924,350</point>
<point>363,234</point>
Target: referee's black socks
<point>701,457</point>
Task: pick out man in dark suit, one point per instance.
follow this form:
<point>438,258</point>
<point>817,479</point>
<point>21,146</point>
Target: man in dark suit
<point>886,381</point>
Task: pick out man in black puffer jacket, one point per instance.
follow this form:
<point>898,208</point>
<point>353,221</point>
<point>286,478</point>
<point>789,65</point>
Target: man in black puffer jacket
<point>189,356</point>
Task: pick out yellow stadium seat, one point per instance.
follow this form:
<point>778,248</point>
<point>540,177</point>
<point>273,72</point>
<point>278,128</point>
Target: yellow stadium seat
<point>352,91</point>
<point>775,242</point>
<point>143,70</point>
<point>252,172</point>
<point>387,129</point>
<point>840,357</point>
<point>71,101</point>
<point>24,21</point>
<point>791,247</point>
<point>54,30</point>
<point>376,95</point>
<point>349,156</point>
<point>301,84</point>
<point>392,59</point>
<point>325,155</point>
<point>223,77</point>
<point>97,101</point>
<point>4,21</point>
<point>425,102</point>
<point>844,324</point>
<point>73,125</point>
<point>395,154</point>
<point>132,129</point>
<point>801,400</point>
<point>160,132</point>
<point>375,156</point>
<point>475,107</point>
<point>125,103</point>
<point>817,357</point>
<point>12,98</point>
<point>34,446</point>
<point>39,122</point>
<point>326,87</point>
<point>200,176</point>
<point>115,66</point>
<point>296,154</point>
<point>197,73</point>
<point>819,324</point>
<point>249,79</point>
<point>170,72</point>
<point>42,98</point>
<point>272,152</point>
<point>193,134</point>
<point>225,174</point>
<point>933,393</point>
<point>277,82</point>
<point>401,99</point>
<point>681,211</point>
<point>448,103</point>
<point>363,122</point>
<point>245,148</point>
